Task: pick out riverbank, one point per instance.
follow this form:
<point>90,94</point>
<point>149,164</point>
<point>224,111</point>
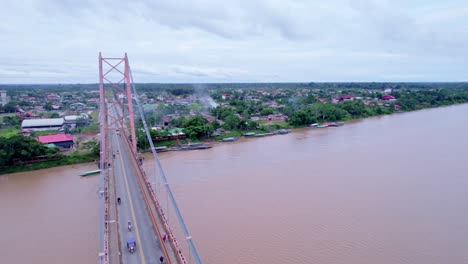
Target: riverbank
<point>63,161</point>
<point>86,158</point>
<point>346,119</point>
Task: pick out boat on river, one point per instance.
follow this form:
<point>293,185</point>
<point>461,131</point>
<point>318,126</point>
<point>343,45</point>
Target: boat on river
<point>90,173</point>
<point>335,124</point>
<point>192,146</point>
<point>229,139</point>
<point>161,149</point>
<point>264,134</point>
<point>283,131</point>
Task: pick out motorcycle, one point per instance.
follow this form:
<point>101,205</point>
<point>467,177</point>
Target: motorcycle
<point>129,226</point>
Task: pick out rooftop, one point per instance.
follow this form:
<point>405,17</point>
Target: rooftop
<point>42,122</point>
<point>55,138</point>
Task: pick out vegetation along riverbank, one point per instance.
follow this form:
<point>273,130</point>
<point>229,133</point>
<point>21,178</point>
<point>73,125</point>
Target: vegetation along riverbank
<point>180,114</point>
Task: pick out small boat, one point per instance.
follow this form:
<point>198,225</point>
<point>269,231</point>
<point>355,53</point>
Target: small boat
<point>264,134</point>
<point>249,134</point>
<point>161,149</point>
<point>335,124</point>
<point>90,173</point>
<point>283,131</point>
<point>322,126</point>
<point>192,146</point>
<point>314,125</point>
<point>229,139</point>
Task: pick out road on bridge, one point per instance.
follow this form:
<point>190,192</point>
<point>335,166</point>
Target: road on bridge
<point>133,208</point>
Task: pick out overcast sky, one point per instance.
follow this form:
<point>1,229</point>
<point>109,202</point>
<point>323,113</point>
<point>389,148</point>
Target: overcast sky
<point>58,41</point>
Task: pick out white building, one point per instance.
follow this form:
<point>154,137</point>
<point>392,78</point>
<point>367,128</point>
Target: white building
<point>3,97</point>
<point>42,124</point>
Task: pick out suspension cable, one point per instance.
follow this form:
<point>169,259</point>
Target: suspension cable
<point>193,249</point>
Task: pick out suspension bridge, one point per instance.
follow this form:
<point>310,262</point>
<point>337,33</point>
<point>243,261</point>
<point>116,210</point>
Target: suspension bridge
<point>127,193</point>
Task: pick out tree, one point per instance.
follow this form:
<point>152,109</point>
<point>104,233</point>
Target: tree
<point>197,107</point>
<point>196,132</point>
<point>9,107</point>
<point>232,122</point>
<point>299,118</point>
<point>355,109</point>
<point>246,114</point>
<point>215,124</point>
<point>94,146</point>
<point>151,120</point>
<point>267,111</point>
<point>19,147</point>
<point>54,115</point>
<point>178,122</point>
<point>195,121</point>
<point>48,106</point>
<point>11,120</point>
<point>248,125</point>
<point>197,126</point>
<point>310,99</point>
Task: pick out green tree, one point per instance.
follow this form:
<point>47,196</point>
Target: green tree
<point>197,126</point>
<point>178,122</point>
<point>310,99</point>
<point>267,111</point>
<point>299,118</point>
<point>195,121</point>
<point>12,120</point>
<point>355,109</point>
<point>93,146</point>
<point>232,122</point>
<point>9,107</point>
<point>19,148</point>
<point>215,124</point>
<point>48,106</point>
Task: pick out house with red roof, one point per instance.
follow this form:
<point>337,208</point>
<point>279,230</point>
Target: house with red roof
<point>346,98</point>
<point>388,97</point>
<point>59,140</point>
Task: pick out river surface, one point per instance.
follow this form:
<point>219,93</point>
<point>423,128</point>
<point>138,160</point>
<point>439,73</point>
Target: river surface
<point>381,190</point>
<point>49,216</point>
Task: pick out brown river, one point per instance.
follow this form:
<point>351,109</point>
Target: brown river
<point>381,190</point>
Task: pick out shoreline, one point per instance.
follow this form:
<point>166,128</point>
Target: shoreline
<point>62,163</point>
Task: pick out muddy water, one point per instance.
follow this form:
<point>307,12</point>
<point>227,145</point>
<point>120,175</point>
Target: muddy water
<point>383,190</point>
<point>49,216</point>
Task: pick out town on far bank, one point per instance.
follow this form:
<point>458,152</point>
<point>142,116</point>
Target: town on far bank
<point>50,125</point>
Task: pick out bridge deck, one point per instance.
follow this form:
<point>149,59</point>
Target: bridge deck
<point>133,207</point>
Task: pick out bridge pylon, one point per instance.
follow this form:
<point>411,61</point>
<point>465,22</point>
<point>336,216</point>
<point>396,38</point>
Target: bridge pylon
<point>115,75</point>
<point>115,87</point>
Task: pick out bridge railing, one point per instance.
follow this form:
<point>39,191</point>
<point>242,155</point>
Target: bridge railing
<point>177,252</point>
<point>171,198</point>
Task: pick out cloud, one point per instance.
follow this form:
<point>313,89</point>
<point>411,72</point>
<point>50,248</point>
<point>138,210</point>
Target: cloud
<point>245,40</point>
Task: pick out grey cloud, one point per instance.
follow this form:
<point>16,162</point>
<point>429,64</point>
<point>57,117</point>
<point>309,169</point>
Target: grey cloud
<point>244,40</point>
